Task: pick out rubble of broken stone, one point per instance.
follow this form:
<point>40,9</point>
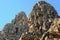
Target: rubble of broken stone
<point>42,24</point>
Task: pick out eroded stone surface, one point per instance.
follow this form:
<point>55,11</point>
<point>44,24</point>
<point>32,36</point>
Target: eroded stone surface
<point>42,24</point>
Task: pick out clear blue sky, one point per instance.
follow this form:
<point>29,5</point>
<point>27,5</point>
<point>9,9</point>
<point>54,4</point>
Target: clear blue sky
<point>9,8</point>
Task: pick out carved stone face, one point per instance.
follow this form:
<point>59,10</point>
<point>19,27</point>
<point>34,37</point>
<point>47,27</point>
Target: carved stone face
<point>58,24</point>
<point>55,27</point>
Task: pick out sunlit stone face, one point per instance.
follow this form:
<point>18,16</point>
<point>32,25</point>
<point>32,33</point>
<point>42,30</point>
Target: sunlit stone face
<point>55,27</point>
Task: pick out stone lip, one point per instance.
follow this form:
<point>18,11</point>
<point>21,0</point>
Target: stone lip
<point>43,18</point>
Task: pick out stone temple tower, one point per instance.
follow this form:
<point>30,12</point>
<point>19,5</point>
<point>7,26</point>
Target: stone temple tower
<point>42,24</point>
<point>41,19</point>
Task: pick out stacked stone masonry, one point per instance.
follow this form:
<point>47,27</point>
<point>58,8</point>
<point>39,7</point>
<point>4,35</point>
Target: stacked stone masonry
<point>42,24</point>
